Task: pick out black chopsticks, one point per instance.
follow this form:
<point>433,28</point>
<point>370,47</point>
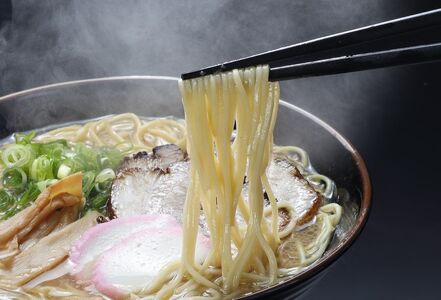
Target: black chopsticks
<point>311,57</point>
<point>359,62</point>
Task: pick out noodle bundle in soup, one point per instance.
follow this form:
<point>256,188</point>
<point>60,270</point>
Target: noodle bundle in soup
<point>128,207</point>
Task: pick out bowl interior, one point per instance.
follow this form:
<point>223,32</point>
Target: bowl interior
<point>151,96</point>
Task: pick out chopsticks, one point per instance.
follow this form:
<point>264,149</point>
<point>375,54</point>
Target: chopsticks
<point>312,58</point>
<point>359,62</point>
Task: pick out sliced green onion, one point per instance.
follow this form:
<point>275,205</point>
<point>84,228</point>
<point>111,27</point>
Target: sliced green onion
<point>41,168</point>
<point>28,196</point>
<point>14,178</point>
<point>88,179</point>
<point>63,171</point>
<point>86,157</point>
<point>69,154</point>
<point>24,138</point>
<point>103,180</point>
<point>16,156</point>
<point>110,157</point>
<point>67,162</point>
<point>99,201</point>
<point>31,166</point>
<point>42,185</point>
<point>7,201</point>
<point>102,187</point>
<point>54,149</point>
<point>105,175</point>
<point>105,162</point>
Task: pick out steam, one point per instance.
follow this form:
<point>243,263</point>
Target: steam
<point>54,41</point>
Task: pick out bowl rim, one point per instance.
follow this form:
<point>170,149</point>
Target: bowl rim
<point>366,192</point>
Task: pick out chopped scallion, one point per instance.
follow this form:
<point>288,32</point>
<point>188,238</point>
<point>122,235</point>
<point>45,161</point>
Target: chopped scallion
<point>30,167</point>
<point>42,185</point>
<point>41,168</point>
<point>16,156</point>
<point>63,171</point>
<point>14,179</point>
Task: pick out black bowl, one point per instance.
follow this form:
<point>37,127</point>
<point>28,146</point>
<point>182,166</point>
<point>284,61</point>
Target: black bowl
<point>152,96</point>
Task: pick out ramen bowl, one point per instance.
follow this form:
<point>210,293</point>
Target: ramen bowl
<point>154,96</point>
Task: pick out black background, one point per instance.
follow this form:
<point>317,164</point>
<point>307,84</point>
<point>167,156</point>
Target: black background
<point>391,115</point>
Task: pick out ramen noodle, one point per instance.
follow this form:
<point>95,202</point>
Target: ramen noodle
<point>129,207</point>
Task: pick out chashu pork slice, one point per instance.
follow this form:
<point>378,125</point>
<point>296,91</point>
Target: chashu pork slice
<point>289,186</point>
<point>157,183</point>
<point>151,183</point>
